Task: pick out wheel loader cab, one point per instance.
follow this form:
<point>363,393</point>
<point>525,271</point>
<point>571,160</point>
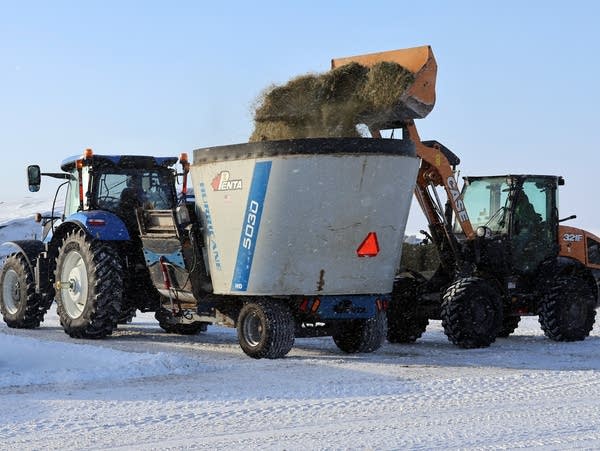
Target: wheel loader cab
<point>519,211</point>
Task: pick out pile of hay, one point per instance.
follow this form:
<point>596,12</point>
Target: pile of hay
<point>329,104</point>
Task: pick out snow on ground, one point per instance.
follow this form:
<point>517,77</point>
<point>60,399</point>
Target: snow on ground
<point>144,389</point>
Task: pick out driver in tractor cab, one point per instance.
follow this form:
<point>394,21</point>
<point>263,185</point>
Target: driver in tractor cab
<point>130,200</point>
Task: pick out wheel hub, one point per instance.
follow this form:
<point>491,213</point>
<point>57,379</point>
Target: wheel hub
<point>11,291</point>
<point>253,329</point>
<point>75,290</point>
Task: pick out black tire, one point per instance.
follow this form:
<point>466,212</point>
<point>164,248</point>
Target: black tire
<point>126,315</point>
<point>165,321</point>
<point>471,313</point>
<point>20,306</point>
<point>509,324</point>
<point>361,335</point>
<point>405,323</point>
<point>265,329</point>
<point>567,310</point>
<point>90,286</point>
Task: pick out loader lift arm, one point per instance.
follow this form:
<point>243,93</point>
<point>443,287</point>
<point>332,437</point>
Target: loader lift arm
<point>438,167</point>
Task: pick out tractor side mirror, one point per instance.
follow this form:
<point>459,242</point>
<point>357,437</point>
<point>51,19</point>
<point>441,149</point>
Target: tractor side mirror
<point>34,177</point>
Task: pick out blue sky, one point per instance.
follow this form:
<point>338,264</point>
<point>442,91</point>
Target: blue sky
<point>517,87</point>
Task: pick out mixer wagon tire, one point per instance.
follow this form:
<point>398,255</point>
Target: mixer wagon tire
<point>362,335</point>
<point>165,321</point>
<point>471,313</point>
<point>405,323</point>
<point>509,324</point>
<point>567,310</point>
<point>21,307</point>
<point>89,286</point>
<point>265,329</point>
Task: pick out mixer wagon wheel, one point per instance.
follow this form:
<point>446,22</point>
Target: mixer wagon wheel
<point>361,335</point>
<point>21,307</point>
<point>89,286</point>
<point>265,328</point>
<point>471,313</point>
<point>568,308</point>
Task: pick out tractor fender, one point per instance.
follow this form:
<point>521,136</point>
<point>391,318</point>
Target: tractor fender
<point>99,224</point>
<point>30,249</point>
<point>566,266</point>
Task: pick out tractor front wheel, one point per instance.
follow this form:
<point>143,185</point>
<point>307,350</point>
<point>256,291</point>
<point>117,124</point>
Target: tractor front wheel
<point>89,286</point>
<point>471,313</point>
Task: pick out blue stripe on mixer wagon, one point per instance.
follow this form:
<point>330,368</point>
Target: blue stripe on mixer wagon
<point>250,227</point>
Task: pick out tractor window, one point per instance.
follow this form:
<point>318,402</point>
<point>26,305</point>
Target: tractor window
<point>485,200</point>
<point>72,199</point>
<point>150,189</point>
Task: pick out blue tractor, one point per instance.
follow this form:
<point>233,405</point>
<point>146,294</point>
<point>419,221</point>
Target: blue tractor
<point>90,258</point>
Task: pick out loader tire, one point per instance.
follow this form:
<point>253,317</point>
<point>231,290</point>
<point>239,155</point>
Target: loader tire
<point>265,329</point>
<point>165,321</point>
<point>509,324</point>
<point>362,335</point>
<point>567,310</point>
<point>405,323</point>
<point>20,306</point>
<point>89,291</point>
<point>471,313</point>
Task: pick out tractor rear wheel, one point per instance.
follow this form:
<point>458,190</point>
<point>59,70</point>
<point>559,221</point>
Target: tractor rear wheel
<point>265,329</point>
<point>362,335</point>
<point>89,286</point>
<point>405,323</point>
<point>568,309</point>
<point>20,306</point>
<point>471,313</point>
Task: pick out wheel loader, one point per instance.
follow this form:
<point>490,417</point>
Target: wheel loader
<point>503,252</point>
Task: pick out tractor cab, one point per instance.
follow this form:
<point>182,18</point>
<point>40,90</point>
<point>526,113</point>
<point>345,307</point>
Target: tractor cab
<point>517,213</point>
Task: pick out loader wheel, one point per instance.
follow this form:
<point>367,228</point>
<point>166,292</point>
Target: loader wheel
<point>89,286</point>
<point>168,324</point>
<point>471,313</point>
<point>567,310</point>
<point>405,323</point>
<point>362,335</point>
<point>509,324</point>
<point>265,329</point>
<point>21,307</point>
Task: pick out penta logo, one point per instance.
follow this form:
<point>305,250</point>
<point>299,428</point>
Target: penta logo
<point>223,182</point>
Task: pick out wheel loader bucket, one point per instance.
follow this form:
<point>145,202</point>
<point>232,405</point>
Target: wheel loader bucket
<point>418,99</point>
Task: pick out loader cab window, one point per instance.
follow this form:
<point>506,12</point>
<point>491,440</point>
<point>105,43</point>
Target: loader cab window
<point>533,225</point>
<point>486,200</point>
<point>72,199</point>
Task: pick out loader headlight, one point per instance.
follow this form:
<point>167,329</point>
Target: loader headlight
<point>483,232</point>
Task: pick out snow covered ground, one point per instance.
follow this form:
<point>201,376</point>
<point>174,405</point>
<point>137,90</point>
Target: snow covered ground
<point>144,389</point>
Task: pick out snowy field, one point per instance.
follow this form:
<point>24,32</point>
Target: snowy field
<point>144,389</point>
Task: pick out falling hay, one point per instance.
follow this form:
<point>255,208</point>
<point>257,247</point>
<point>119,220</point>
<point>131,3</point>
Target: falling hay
<point>330,104</point>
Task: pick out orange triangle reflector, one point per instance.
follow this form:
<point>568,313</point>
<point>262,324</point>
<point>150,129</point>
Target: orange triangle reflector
<point>369,247</point>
